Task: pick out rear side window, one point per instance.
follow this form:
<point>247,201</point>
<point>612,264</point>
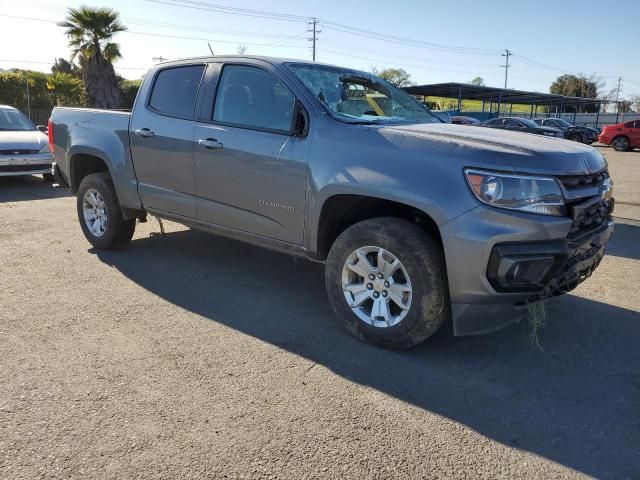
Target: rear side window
<point>175,91</point>
<point>253,98</point>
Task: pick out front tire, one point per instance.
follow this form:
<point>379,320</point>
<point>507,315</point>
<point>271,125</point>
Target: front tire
<point>100,215</point>
<point>620,144</point>
<point>576,137</point>
<point>387,283</point>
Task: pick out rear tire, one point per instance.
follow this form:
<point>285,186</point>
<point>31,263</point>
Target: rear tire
<point>100,215</point>
<point>620,144</point>
<point>420,275</point>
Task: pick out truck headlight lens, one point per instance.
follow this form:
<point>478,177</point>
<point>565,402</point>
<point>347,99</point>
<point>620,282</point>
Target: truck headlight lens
<point>526,193</point>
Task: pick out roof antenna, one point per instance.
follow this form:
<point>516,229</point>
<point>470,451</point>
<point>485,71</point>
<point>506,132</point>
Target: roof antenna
<point>210,49</point>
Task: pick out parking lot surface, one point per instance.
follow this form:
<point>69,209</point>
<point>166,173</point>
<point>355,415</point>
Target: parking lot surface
<point>195,356</point>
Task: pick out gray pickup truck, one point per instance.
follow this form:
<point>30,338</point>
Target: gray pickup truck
<point>419,222</point>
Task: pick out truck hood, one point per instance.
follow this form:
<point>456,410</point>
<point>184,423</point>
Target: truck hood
<point>525,152</point>
<point>26,140</point>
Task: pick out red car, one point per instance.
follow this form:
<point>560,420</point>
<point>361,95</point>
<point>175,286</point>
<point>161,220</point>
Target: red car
<point>622,137</point>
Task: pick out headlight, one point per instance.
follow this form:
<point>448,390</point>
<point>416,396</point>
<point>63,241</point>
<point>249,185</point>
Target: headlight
<point>517,192</point>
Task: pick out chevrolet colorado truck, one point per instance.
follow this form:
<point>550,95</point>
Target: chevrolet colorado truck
<point>419,222</point>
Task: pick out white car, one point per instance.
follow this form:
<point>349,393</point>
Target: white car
<point>24,148</point>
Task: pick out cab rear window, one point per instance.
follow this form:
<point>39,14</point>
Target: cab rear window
<point>175,91</point>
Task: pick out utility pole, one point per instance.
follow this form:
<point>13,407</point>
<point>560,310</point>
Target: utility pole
<point>506,65</point>
<point>314,31</point>
<point>618,94</point>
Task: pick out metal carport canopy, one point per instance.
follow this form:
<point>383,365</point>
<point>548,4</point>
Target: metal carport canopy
<point>465,91</point>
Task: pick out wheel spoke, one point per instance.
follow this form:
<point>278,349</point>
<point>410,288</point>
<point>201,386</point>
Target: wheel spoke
<point>380,309</point>
<point>360,294</point>
<point>389,268</point>
<point>362,267</point>
<point>397,293</point>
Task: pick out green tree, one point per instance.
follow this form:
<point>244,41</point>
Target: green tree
<point>60,65</point>
<point>129,90</point>
<point>397,76</point>
<point>577,86</point>
<point>66,89</point>
<point>90,32</point>
<point>478,82</point>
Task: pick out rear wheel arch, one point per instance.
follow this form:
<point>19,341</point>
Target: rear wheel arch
<point>83,164</point>
<point>340,211</point>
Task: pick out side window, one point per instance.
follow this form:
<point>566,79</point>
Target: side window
<point>513,123</point>
<point>175,91</point>
<point>253,98</point>
<point>628,125</point>
<point>495,123</point>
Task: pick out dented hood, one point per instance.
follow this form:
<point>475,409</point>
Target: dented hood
<point>526,152</point>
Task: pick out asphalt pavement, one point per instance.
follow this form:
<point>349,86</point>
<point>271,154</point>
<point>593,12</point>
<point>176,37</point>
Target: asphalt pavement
<point>193,356</point>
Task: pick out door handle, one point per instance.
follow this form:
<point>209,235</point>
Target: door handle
<point>210,143</point>
<point>144,132</point>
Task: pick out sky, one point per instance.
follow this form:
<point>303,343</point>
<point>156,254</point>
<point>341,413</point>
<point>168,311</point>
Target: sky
<point>439,41</point>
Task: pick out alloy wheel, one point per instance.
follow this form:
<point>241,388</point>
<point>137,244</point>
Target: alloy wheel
<point>376,286</point>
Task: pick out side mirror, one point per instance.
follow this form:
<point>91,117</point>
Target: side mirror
<point>300,121</point>
<point>42,128</point>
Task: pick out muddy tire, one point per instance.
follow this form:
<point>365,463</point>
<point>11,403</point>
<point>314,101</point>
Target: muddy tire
<point>100,215</point>
<point>387,282</point>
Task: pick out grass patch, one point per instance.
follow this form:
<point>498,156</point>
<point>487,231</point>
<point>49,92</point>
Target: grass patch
<point>536,316</point>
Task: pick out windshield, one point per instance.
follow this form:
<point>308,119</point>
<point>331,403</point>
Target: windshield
<point>563,123</point>
<point>13,120</point>
<point>529,123</point>
<point>358,97</point>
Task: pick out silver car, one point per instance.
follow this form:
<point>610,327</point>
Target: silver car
<point>24,148</point>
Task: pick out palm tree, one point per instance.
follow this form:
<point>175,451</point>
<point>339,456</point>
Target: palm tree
<point>90,32</point>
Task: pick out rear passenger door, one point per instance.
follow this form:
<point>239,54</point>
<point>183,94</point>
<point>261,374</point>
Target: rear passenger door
<point>161,138</point>
<point>634,132</point>
<point>251,172</point>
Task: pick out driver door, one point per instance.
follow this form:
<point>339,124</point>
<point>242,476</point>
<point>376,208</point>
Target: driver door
<point>251,172</point>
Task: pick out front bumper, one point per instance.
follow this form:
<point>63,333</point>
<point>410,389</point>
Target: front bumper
<point>35,163</point>
<point>483,248</point>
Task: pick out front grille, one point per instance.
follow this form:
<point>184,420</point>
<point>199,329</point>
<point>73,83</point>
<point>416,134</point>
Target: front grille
<point>572,182</point>
<point>589,217</point>
<point>18,151</point>
<point>23,168</point>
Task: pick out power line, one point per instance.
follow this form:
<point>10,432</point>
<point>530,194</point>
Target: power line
<point>233,10</point>
<point>161,35</point>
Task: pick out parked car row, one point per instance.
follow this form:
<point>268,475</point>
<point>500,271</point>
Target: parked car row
<point>576,133</point>
<point>622,136</point>
<point>24,148</point>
